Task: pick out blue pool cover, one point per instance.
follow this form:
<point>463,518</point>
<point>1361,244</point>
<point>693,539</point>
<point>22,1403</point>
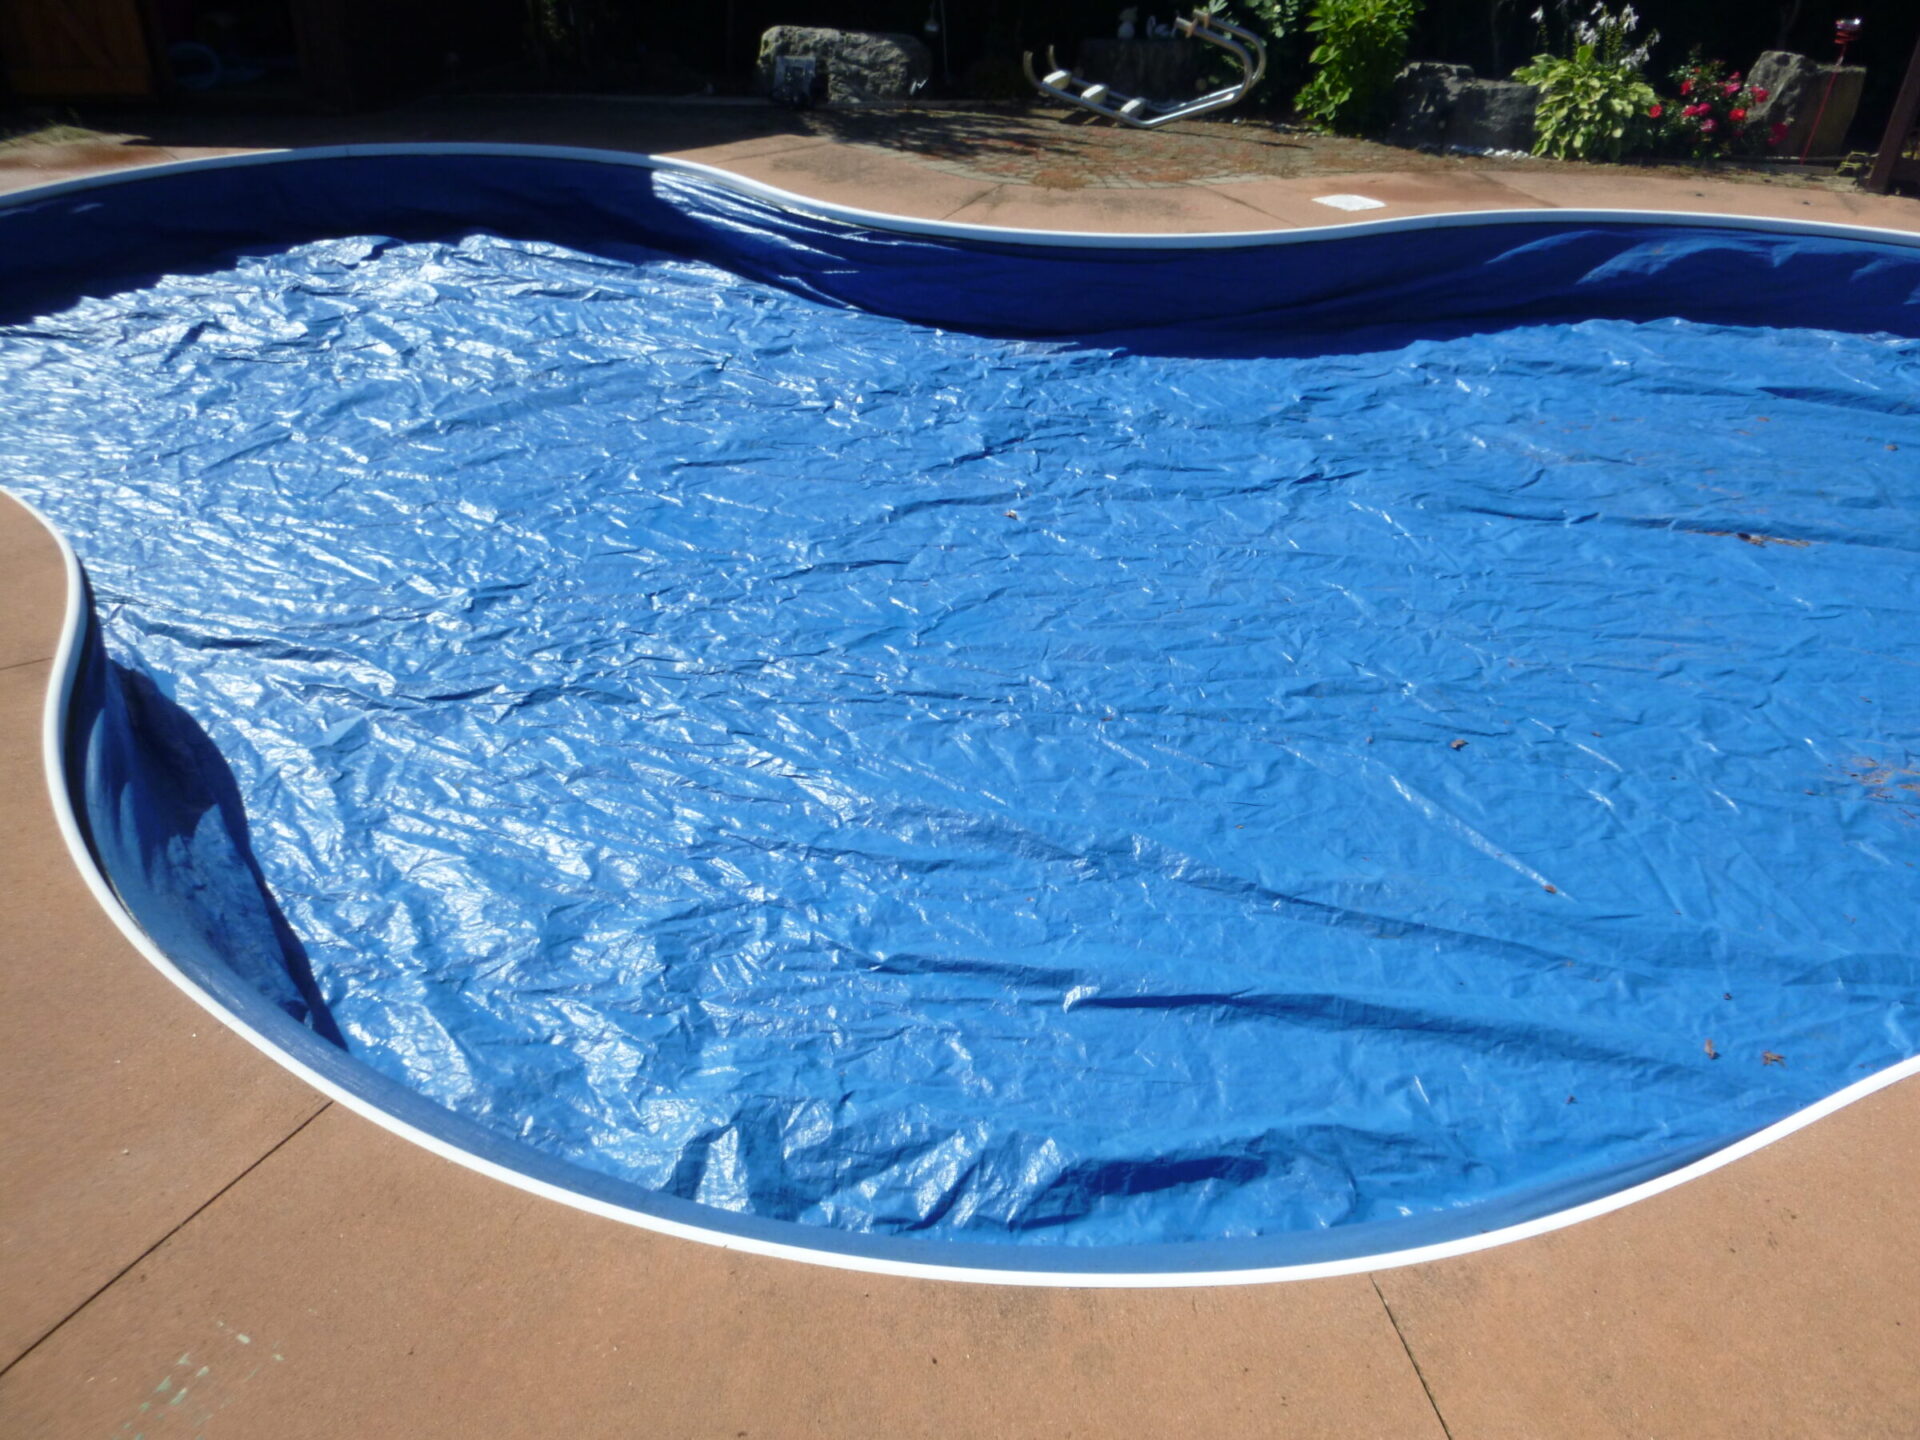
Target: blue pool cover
<point>1204,757</point>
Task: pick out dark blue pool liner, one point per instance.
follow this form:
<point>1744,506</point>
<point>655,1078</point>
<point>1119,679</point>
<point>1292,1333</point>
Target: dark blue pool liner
<point>1543,269</point>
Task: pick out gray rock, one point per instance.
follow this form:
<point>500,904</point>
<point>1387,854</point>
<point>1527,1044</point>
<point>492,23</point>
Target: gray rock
<point>1493,115</point>
<point>795,79</point>
<point>852,66</point>
<point>1794,85</point>
<point>1788,80</point>
<point>1424,96</point>
<point>1157,69</point>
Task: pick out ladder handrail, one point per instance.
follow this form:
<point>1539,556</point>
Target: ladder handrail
<point>1243,45</point>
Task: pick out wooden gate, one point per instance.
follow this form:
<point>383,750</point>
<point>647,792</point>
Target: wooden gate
<point>60,49</point>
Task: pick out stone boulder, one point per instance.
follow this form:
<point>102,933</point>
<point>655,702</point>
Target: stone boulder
<point>1493,115</point>
<point>1794,85</point>
<point>851,67</point>
<point>1424,96</point>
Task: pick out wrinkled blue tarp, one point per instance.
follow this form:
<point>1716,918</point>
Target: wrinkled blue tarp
<point>989,744</point>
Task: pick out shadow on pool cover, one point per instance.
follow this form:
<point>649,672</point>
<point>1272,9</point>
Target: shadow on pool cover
<point>974,753</point>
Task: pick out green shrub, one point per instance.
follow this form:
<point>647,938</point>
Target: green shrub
<point>1272,20</point>
<point>1595,104</point>
<point>1362,45</point>
<point>1281,23</point>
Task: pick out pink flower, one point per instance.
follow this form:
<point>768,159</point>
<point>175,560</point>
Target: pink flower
<point>1693,110</point>
<point>1777,133</point>
<point>1732,87</point>
<point>1655,111</point>
<point>1709,126</point>
<point>1736,114</point>
<point>1686,87</point>
<point>1758,93</point>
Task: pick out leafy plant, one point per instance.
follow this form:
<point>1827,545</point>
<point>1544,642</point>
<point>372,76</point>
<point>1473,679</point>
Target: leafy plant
<point>1273,17</point>
<point>1362,45</point>
<point>1276,21</point>
<point>1710,116</point>
<point>569,34</point>
<point>1281,23</point>
<point>1595,102</point>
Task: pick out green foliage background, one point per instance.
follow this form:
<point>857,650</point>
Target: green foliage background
<point>1363,44</point>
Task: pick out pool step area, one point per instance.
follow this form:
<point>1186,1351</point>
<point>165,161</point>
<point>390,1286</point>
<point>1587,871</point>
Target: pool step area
<point>1243,45</point>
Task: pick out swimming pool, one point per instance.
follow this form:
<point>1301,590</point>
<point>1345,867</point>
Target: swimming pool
<point>1091,759</point>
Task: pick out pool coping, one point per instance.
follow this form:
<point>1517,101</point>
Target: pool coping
<point>1024,1269</point>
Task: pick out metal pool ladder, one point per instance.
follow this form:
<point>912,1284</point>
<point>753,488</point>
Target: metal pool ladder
<point>1245,47</point>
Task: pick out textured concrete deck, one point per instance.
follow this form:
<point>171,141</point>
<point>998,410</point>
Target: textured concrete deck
<point>193,1243</point>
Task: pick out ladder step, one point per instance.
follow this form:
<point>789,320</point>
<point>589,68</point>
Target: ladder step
<point>1244,46</point>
